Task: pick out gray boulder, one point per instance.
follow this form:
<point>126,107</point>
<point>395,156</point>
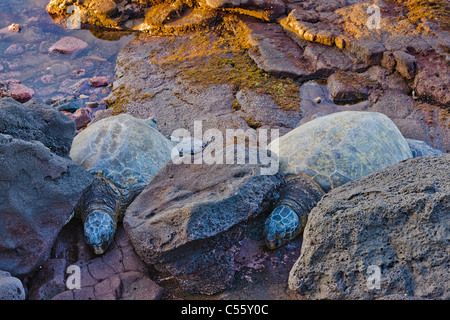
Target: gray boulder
<point>36,121</point>
<point>38,187</point>
<point>190,219</point>
<point>382,236</point>
<point>11,288</point>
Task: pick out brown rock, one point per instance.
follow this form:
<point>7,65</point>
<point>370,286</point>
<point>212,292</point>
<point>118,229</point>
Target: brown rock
<point>433,83</point>
<point>99,82</point>
<point>14,28</point>
<point>388,61</point>
<point>349,87</point>
<point>405,64</point>
<point>15,90</point>
<point>68,45</point>
<point>14,50</point>
<point>82,117</point>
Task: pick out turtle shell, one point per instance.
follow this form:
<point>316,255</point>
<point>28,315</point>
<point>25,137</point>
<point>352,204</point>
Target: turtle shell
<point>341,147</point>
<point>127,150</point>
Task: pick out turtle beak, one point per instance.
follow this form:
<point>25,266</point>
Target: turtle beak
<point>99,249</point>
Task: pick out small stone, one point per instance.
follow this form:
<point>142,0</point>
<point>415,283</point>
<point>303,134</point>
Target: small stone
<point>318,100</point>
<point>80,72</point>
<point>14,50</point>
<point>82,117</point>
<point>10,287</point>
<point>15,90</point>
<point>405,64</point>
<point>68,45</point>
<point>70,104</point>
<point>92,104</point>
<point>99,82</point>
<point>14,28</point>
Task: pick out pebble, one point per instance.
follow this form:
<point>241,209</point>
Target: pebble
<point>16,90</point>
<point>82,117</point>
<point>68,45</point>
<point>14,28</point>
<point>14,50</point>
<point>99,82</point>
<point>48,78</point>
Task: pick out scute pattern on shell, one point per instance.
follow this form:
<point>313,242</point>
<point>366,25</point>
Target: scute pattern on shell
<point>125,149</point>
<point>341,147</point>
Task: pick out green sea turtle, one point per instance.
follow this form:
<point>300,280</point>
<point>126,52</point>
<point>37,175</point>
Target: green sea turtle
<point>124,154</point>
<point>323,154</point>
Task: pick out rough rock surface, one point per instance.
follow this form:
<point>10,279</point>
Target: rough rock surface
<point>395,219</point>
<point>348,87</point>
<point>119,274</point>
<point>36,121</point>
<point>47,185</point>
<point>147,86</point>
<point>190,219</point>
<point>11,288</point>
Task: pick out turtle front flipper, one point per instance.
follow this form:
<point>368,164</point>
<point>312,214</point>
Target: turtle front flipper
<point>99,209</point>
<point>288,219</point>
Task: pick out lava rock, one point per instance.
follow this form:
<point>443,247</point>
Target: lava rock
<point>40,184</point>
<point>406,64</point>
<point>36,121</point>
<point>11,288</point>
<point>68,45</point>
<point>395,220</point>
<point>15,90</point>
<point>190,219</point>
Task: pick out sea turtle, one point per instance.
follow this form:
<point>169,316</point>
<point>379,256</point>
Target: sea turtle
<point>123,153</point>
<point>323,154</point>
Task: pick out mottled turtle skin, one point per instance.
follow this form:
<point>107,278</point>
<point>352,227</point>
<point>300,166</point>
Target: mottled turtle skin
<point>323,154</point>
<point>124,154</point>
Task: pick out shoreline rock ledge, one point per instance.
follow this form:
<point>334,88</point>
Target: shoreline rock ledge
<point>384,236</point>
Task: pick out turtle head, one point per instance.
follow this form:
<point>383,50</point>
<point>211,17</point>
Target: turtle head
<point>99,229</point>
<point>281,226</point>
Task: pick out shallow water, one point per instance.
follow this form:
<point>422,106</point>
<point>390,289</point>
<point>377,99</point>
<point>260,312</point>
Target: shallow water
<point>52,75</point>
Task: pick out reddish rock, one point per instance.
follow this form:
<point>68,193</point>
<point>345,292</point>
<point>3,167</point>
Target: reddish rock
<point>349,87</point>
<point>15,90</point>
<point>82,117</point>
<point>68,45</point>
<point>432,84</point>
<point>48,78</point>
<point>406,64</point>
<point>99,82</point>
